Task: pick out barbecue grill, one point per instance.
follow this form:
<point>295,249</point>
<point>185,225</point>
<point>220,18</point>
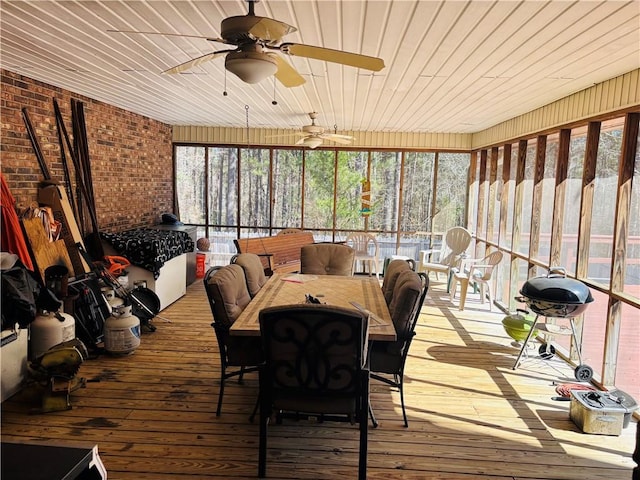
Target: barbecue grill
<point>556,296</point>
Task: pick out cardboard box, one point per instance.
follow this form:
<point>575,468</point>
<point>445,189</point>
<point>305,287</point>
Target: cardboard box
<point>596,412</point>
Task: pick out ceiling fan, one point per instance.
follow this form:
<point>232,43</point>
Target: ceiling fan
<point>255,40</point>
<point>313,135</point>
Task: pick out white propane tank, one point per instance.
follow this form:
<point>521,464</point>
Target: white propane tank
<point>121,331</point>
<point>48,330</point>
<point>110,297</point>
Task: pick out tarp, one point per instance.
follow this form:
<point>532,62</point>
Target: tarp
<point>12,239</point>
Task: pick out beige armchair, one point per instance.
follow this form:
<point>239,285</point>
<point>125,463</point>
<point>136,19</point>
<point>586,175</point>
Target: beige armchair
<point>327,259</point>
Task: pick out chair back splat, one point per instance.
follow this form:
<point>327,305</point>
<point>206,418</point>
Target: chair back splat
<point>315,365</point>
<point>228,296</point>
<point>387,359</point>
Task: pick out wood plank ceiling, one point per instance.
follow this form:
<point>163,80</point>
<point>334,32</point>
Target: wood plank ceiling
<point>451,66</point>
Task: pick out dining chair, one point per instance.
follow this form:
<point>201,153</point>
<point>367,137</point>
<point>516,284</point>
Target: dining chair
<point>366,250</point>
<point>327,259</point>
<point>476,272</point>
<point>228,296</point>
<point>456,242</point>
<point>387,359</point>
<point>395,268</point>
<point>253,271</point>
<point>315,367</point>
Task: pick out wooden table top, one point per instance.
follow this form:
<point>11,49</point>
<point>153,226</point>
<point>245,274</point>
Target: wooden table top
<point>287,289</point>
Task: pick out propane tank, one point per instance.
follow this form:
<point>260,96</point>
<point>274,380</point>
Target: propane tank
<point>121,331</point>
<point>110,296</point>
<point>49,329</point>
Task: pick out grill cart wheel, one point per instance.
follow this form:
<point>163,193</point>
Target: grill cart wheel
<point>583,373</point>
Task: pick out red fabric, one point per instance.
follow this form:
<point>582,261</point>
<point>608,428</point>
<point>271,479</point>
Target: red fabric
<point>12,239</point>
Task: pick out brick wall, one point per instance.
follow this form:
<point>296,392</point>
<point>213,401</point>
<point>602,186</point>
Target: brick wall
<point>131,155</point>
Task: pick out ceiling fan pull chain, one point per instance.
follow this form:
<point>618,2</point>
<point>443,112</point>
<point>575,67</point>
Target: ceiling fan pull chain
<point>274,101</point>
<point>246,107</point>
<point>224,92</point>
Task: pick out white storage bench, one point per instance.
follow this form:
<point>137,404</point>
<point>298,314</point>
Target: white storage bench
<point>158,258</point>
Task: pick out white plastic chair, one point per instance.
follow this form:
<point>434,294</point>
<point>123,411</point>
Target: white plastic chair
<point>366,248</point>
<point>456,242</point>
<point>476,272</point>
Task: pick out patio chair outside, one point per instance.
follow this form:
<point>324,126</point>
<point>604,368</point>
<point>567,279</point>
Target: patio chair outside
<point>366,250</point>
<point>456,242</point>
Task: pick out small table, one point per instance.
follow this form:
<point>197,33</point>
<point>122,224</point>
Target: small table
<point>287,289</point>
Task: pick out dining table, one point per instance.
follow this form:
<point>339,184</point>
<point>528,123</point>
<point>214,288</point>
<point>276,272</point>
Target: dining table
<point>356,292</point>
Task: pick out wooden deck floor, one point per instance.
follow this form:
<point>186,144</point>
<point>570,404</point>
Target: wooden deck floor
<point>471,416</point>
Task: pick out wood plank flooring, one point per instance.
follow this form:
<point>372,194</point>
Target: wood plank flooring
<point>471,416</point>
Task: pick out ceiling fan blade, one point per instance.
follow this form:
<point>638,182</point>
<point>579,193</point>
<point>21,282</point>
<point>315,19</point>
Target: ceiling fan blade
<point>286,74</point>
<point>194,62</point>
<point>270,29</point>
<point>210,39</point>
<point>338,139</point>
<point>335,56</point>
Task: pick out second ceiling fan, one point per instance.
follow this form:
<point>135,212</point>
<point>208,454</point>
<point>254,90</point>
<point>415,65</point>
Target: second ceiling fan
<point>256,40</point>
<point>313,135</point>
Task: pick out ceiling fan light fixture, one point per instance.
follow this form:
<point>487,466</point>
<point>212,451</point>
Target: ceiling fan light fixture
<point>251,67</point>
<point>312,142</point>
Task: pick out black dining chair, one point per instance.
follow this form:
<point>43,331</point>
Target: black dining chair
<point>387,359</point>
<point>315,366</point>
<point>228,296</point>
<point>395,268</point>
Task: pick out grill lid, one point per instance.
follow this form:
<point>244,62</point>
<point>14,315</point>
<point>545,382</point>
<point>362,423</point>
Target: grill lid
<point>557,288</point>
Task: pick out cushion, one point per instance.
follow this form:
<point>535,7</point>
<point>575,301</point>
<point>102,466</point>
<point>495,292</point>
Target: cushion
<point>327,259</point>
<point>394,269</point>
<point>253,270</point>
<point>229,293</point>
<point>406,294</point>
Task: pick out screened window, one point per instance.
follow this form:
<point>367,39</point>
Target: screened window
<point>352,178</point>
<point>190,173</point>
<point>548,194</point>
<point>573,196</point>
<point>287,189</point>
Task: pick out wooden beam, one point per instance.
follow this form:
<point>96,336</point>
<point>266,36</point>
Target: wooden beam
<point>586,204</point>
<point>504,270</point>
<point>562,167</point>
<point>517,213</point>
<point>481,225</point>
<point>536,202</point>
<point>492,208</point>
<point>620,233</point>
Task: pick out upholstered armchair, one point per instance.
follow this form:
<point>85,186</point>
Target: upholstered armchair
<point>228,296</point>
<point>327,259</point>
<point>387,359</point>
